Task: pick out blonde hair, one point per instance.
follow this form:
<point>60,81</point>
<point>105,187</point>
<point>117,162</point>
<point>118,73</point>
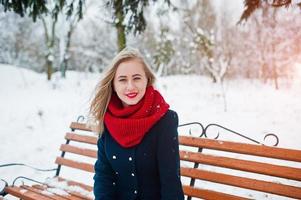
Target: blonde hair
<point>104,88</point>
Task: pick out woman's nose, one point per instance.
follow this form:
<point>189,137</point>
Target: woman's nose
<point>130,85</point>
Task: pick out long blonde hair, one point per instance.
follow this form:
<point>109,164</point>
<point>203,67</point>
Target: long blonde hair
<point>104,88</point>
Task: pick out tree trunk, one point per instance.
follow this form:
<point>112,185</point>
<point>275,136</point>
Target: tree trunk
<point>63,67</point>
<point>275,76</point>
<point>49,68</point>
<point>64,63</point>
<point>274,66</point>
<point>264,72</point>
<point>49,40</point>
<point>119,14</point>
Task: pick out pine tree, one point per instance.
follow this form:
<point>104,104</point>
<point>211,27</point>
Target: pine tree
<point>35,8</point>
<point>128,17</point>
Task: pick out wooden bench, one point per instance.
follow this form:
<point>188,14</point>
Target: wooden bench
<point>210,169</point>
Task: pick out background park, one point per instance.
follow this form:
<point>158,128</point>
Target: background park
<point>234,63</point>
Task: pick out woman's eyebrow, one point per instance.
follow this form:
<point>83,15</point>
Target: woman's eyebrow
<point>124,76</point>
<point>121,76</point>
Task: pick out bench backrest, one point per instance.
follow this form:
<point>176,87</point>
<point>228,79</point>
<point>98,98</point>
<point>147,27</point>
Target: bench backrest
<point>236,165</point>
<point>211,169</point>
<point>80,141</point>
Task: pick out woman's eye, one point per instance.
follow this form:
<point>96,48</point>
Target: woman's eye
<point>137,78</point>
<point>122,80</point>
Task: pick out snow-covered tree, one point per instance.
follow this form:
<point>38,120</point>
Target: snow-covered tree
<point>207,35</point>
<point>49,25</point>
<point>65,31</point>
<point>252,5</point>
<point>20,41</point>
<point>128,16</point>
<point>271,47</point>
<point>93,45</point>
<point>58,29</point>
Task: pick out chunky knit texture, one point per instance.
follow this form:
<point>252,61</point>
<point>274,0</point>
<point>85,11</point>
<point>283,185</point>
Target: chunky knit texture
<point>128,125</point>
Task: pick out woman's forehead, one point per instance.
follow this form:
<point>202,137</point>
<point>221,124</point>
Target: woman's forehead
<point>130,67</point>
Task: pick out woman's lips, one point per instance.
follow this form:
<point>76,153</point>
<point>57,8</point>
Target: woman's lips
<point>132,95</point>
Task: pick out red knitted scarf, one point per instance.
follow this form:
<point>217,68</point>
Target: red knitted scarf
<point>128,125</point>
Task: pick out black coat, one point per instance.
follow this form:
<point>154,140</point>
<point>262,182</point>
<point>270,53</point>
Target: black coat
<point>147,171</point>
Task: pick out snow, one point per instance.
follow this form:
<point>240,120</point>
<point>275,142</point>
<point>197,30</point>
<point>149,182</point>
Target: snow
<point>63,186</point>
<point>35,114</point>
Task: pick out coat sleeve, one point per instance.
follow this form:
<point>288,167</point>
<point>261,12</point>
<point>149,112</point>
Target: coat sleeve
<point>168,159</point>
<point>104,178</point>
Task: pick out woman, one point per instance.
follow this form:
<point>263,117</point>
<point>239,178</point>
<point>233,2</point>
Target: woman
<point>138,153</point>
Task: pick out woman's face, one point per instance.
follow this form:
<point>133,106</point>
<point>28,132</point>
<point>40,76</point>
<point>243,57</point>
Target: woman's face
<point>130,82</point>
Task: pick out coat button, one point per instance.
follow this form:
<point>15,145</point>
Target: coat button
<point>130,159</point>
<point>135,192</point>
<point>133,174</point>
<point>114,157</point>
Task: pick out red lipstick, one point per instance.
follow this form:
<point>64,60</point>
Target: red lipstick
<point>132,95</point>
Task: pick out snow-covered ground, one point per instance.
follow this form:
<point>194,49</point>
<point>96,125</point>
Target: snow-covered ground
<point>36,113</point>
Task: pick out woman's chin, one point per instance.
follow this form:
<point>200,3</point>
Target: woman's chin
<point>130,103</point>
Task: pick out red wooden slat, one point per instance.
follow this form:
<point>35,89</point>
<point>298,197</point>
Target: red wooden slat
<point>25,194</point>
<point>79,126</point>
<point>81,138</point>
<point>78,150</point>
<point>248,183</point>
<point>244,165</point>
<point>208,194</point>
<point>74,164</point>
<point>249,149</point>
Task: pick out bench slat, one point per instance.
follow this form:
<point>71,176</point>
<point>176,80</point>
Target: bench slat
<point>74,183</point>
<point>244,165</point>
<point>249,149</point>
<point>248,183</point>
<point>208,194</point>
<point>41,190</point>
<point>70,196</point>
<point>79,126</point>
<point>77,150</point>
<point>81,138</point>
<point>74,164</point>
<point>24,194</point>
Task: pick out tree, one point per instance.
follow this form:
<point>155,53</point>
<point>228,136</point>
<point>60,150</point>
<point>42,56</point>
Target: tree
<point>213,55</point>
<point>252,5</point>
<point>49,12</point>
<point>49,32</point>
<point>269,46</point>
<point>20,42</point>
<point>35,8</point>
<point>67,27</point>
<point>93,45</point>
<point>128,17</point>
